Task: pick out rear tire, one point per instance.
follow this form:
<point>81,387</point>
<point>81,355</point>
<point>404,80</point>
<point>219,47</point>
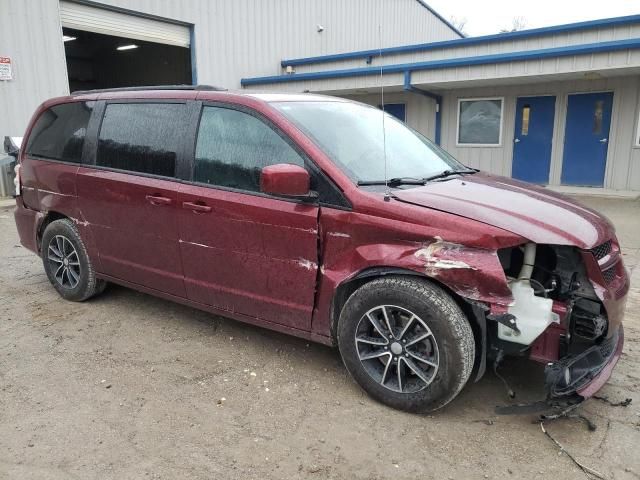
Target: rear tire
<point>67,263</point>
<point>406,342</point>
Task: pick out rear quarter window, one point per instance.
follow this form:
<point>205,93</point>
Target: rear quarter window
<point>59,132</point>
<point>142,137</point>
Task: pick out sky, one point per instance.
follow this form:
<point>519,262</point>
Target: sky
<point>484,17</point>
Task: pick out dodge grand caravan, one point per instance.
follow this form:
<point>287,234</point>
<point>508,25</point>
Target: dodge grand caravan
<point>303,214</point>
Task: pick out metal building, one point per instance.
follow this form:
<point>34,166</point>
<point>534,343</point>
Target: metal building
<point>556,105</point>
<point>220,41</point>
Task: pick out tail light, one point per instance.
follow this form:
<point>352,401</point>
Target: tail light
<point>16,180</point>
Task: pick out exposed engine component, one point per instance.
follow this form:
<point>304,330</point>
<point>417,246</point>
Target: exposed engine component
<point>557,275</point>
<point>533,314</point>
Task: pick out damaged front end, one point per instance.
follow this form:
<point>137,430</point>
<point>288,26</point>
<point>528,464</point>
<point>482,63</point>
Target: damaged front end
<point>566,313</point>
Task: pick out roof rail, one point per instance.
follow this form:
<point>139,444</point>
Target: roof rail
<point>151,87</point>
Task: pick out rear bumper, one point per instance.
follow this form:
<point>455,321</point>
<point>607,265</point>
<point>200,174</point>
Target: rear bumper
<point>27,222</point>
<point>586,373</point>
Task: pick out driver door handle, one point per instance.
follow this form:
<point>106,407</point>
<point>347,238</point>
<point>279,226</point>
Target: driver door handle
<point>196,207</point>
<point>158,200</point>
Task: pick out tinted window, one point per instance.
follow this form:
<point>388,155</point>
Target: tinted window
<point>59,132</point>
<point>233,147</point>
<point>142,137</point>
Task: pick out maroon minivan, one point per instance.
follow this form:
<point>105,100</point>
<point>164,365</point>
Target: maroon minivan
<point>312,216</point>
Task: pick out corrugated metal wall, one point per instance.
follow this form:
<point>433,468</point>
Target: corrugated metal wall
<point>623,158</point>
<point>238,38</point>
<point>30,33</point>
<point>604,34</point>
<point>233,39</point>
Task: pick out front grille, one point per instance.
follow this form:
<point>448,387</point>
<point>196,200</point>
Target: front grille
<point>602,250</point>
<point>587,320</point>
<point>609,274</point>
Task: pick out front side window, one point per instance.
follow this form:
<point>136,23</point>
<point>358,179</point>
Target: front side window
<point>367,143</point>
<point>479,121</point>
<point>59,132</point>
<point>142,137</point>
<point>233,147</point>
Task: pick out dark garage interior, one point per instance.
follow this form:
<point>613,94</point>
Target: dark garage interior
<point>94,61</point>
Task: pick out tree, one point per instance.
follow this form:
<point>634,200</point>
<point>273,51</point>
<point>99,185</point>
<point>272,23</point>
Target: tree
<point>459,23</point>
<point>518,23</point>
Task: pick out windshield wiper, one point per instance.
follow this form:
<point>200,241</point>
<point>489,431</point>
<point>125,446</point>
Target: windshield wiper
<point>397,181</point>
<point>394,182</point>
<point>449,173</point>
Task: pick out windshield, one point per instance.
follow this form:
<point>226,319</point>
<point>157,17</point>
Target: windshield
<point>352,135</point>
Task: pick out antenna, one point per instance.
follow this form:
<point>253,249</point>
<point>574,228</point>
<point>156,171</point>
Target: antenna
<point>387,193</point>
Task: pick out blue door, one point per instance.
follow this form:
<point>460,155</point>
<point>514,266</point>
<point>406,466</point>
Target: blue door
<point>586,139</point>
<point>533,139</point>
<point>398,110</point>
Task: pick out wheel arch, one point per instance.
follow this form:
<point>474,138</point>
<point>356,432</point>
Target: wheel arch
<point>49,217</point>
<point>473,310</point>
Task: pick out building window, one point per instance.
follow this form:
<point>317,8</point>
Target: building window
<point>526,114</point>
<point>597,117</point>
<point>479,121</point>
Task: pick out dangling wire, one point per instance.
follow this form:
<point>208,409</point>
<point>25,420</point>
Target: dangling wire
<point>387,192</point>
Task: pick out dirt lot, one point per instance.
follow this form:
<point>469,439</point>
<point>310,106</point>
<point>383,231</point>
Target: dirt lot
<point>130,386</point>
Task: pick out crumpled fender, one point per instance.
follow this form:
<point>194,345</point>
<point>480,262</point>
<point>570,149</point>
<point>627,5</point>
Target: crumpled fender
<point>473,273</point>
<point>471,269</point>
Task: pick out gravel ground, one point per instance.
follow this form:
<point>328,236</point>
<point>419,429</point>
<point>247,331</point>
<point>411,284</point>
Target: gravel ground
<point>130,386</point>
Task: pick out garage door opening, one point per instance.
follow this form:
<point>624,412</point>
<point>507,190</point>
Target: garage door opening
<point>96,60</point>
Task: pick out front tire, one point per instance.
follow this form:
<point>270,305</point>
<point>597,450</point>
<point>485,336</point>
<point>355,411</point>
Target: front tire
<point>67,263</point>
<point>406,342</point>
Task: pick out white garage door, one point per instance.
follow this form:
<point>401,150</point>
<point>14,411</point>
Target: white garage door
<point>97,20</point>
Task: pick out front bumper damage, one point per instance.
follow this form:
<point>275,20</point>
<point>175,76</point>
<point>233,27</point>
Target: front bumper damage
<point>583,344</point>
<point>584,374</point>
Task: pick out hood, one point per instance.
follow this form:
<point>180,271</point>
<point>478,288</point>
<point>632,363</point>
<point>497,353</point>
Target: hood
<point>532,212</point>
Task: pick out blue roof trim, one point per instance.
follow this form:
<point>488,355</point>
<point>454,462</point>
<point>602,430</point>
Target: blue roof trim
<point>420,47</point>
<point>441,18</point>
<point>450,62</point>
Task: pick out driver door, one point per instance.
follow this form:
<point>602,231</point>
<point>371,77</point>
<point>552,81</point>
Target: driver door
<point>244,251</point>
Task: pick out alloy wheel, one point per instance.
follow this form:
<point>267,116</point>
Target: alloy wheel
<point>64,261</point>
<point>397,349</point>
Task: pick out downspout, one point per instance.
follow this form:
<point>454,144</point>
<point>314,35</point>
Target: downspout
<point>438,99</point>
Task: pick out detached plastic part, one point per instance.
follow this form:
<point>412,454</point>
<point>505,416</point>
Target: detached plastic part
<point>586,372</point>
<point>533,314</point>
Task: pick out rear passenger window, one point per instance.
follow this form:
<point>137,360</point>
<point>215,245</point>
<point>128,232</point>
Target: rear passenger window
<point>59,132</point>
<point>233,147</point>
<point>142,137</point>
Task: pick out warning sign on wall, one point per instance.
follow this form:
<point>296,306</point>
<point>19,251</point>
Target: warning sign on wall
<point>6,72</point>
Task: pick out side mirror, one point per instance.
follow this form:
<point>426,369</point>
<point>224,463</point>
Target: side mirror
<point>286,180</point>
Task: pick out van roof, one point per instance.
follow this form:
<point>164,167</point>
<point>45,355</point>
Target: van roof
<point>200,92</point>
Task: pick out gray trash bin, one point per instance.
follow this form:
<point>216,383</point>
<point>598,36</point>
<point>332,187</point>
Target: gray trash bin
<point>7,174</point>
